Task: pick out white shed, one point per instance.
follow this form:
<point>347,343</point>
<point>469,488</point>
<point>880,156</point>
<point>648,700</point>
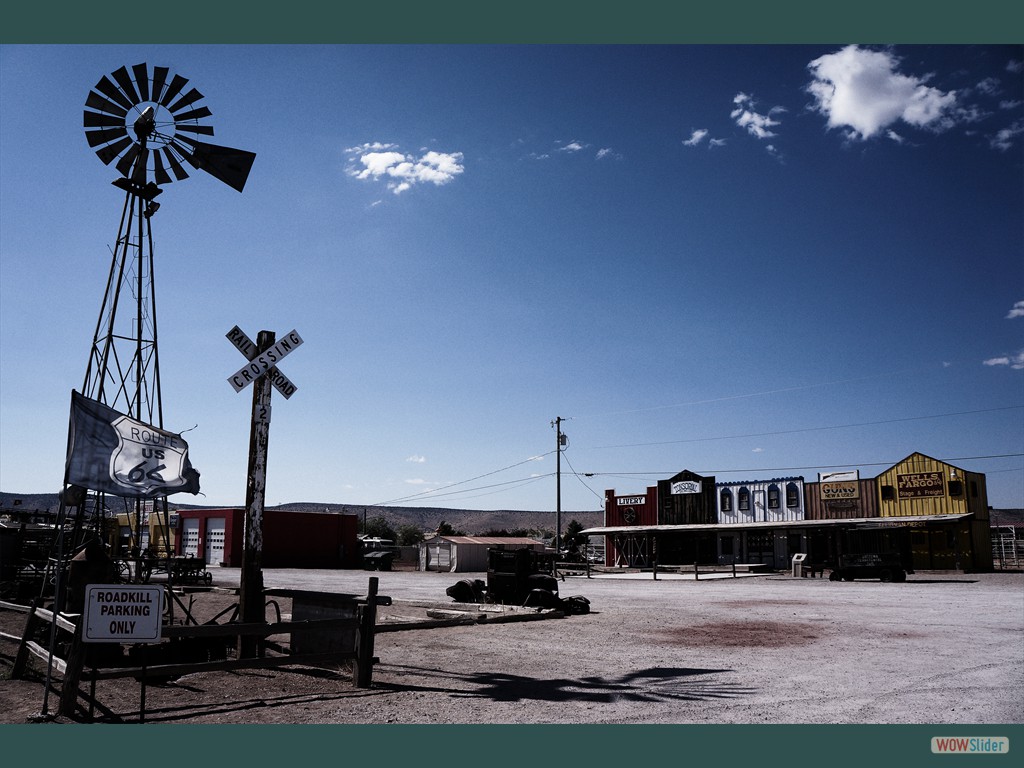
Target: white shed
<point>467,554</point>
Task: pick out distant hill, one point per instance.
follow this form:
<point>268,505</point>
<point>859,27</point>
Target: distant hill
<point>472,522</point>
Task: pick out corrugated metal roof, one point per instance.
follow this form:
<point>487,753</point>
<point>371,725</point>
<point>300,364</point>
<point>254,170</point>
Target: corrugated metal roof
<point>489,540</point>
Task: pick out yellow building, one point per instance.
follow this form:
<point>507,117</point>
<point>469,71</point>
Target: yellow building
<point>945,509</point>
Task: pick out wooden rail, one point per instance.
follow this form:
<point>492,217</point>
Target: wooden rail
<point>73,668</point>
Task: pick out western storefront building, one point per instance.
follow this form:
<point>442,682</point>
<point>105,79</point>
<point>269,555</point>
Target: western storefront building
<point>935,515</point>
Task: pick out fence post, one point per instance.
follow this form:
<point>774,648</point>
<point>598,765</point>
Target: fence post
<point>21,658</point>
<point>362,672</point>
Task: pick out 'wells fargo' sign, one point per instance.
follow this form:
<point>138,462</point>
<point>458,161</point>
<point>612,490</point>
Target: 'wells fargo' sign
<point>920,485</point>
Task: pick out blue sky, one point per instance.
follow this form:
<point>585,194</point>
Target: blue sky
<point>746,261</point>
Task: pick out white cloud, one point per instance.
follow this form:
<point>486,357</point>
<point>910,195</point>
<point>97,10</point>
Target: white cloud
<point>416,481</point>
<point>755,124</point>
<point>1015,65</point>
<point>696,137</point>
<point>572,147</point>
<point>989,86</point>
<point>1015,361</point>
<point>1017,311</point>
<point>1004,139</point>
<point>416,459</point>
<point>382,162</point>
<point>860,90</point>
<point>758,450</point>
<point>716,143</point>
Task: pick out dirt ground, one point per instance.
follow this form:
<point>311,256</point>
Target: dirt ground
<point>942,648</point>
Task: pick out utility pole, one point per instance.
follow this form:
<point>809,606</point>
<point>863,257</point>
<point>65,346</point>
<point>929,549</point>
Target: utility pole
<point>559,444</point>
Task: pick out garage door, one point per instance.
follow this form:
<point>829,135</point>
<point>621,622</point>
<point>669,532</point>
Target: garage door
<point>215,540</point>
<point>190,537</point>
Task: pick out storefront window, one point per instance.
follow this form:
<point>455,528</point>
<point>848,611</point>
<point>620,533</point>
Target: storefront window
<point>744,499</point>
<point>792,495</point>
<point>773,497</point>
<point>726,500</point>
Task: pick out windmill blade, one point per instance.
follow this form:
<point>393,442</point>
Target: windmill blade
<point>172,160</point>
<point>124,165</point>
<point>101,104</point>
<point>226,164</point>
<point>111,91</point>
<point>101,120</point>
<point>159,78</point>
<point>189,98</point>
<point>108,153</point>
<point>142,80</point>
<point>159,173</point>
<point>95,138</point>
<point>206,130</point>
<point>195,114</point>
<point>177,83</point>
<point>123,79</point>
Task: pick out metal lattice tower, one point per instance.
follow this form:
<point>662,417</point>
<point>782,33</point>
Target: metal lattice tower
<point>146,123</point>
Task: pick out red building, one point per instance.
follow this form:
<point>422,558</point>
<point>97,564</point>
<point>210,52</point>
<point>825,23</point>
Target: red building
<point>290,539</point>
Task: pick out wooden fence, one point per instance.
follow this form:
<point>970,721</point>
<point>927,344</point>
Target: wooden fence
<point>74,669</point>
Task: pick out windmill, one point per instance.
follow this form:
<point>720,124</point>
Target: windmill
<point>147,124</point>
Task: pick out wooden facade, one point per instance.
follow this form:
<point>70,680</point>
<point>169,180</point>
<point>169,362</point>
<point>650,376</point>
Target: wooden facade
<point>858,498</point>
<point>921,485</point>
<point>760,501</point>
<point>686,499</point>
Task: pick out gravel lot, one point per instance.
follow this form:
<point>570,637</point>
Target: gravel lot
<point>943,648</point>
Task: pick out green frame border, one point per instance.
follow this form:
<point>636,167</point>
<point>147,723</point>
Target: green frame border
<point>526,21</point>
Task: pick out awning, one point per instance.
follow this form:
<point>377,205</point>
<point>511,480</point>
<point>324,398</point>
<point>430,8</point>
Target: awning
<point>852,522</point>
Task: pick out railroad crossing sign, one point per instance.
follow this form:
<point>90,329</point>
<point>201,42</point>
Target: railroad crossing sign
<point>261,371</point>
<point>262,362</point>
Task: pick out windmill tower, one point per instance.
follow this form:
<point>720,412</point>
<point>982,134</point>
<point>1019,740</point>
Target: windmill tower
<point>147,123</point>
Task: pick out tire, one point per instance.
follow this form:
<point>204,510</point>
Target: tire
<point>834,576</point>
<point>885,575</point>
<point>900,576</point>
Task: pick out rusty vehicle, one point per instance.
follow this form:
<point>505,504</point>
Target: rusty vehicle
<point>887,566</point>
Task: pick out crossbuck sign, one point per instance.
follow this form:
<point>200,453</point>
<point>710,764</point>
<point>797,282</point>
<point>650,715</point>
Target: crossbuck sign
<point>261,363</point>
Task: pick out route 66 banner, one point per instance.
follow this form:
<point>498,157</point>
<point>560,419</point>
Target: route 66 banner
<point>113,453</point>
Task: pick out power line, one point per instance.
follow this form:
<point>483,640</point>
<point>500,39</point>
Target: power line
<point>461,482</point>
<point>812,429</point>
<point>518,483</point>
<point>578,477</point>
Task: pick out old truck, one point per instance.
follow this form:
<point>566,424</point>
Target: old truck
<point>886,566</point>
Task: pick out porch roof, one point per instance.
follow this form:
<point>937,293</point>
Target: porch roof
<point>853,522</point>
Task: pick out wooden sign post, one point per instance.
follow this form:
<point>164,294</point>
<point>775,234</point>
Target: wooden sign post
<point>262,373</point>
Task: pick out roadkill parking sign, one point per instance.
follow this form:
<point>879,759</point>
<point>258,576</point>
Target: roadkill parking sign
<point>115,613</point>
